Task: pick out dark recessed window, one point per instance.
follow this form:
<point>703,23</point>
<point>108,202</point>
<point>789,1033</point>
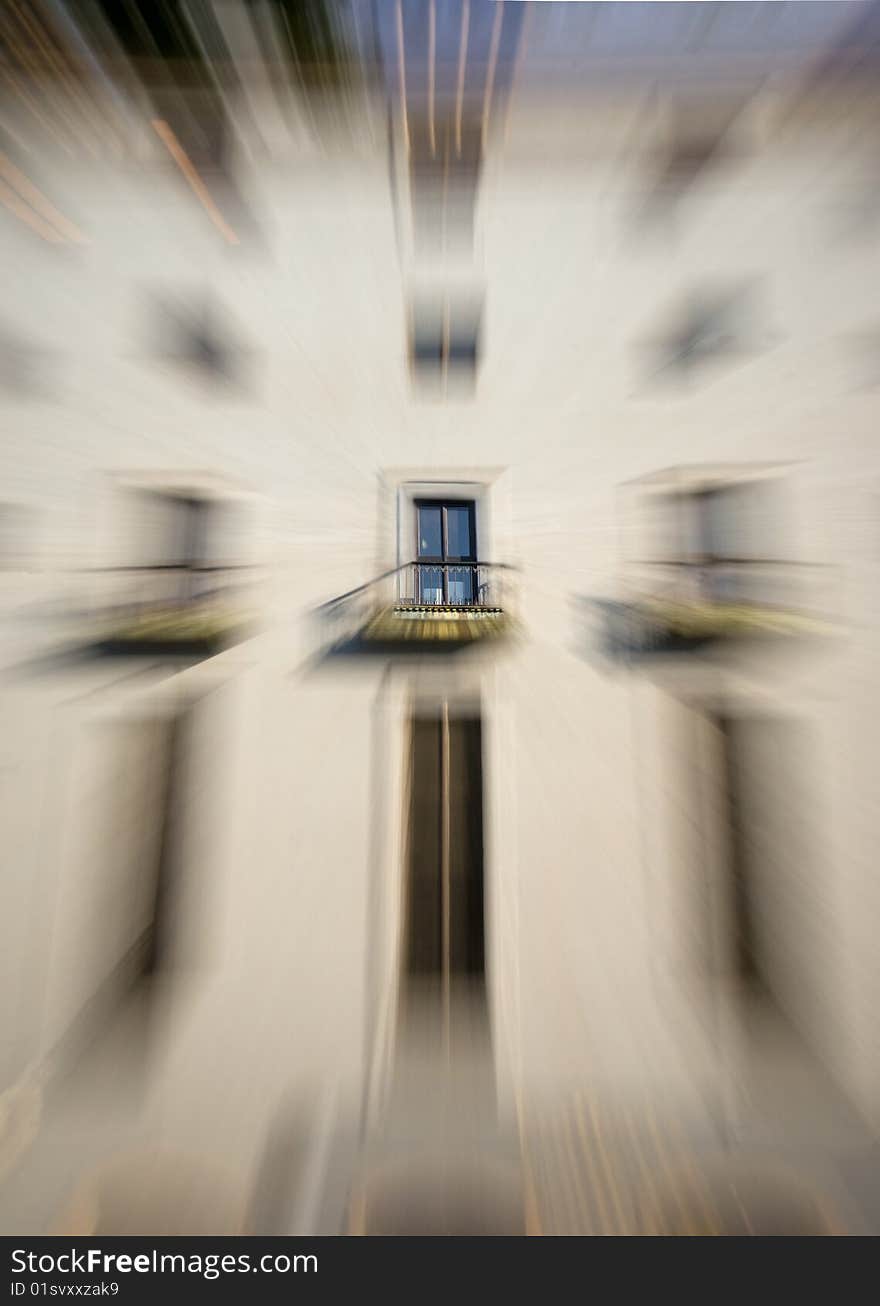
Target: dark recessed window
<point>710,329</point>
<point>199,337</point>
<point>445,340</point>
<point>445,161</point>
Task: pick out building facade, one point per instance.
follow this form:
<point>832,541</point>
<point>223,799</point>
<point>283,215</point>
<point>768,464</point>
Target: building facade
<point>439,655</point>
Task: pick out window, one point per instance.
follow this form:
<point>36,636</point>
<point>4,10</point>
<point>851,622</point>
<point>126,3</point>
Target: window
<point>721,537</point>
<point>446,536</point>
<point>199,337</point>
<point>697,134</point>
<point>180,576</point>
<point>444,340</point>
<point>711,328</point>
<point>445,159</point>
<point>175,533</point>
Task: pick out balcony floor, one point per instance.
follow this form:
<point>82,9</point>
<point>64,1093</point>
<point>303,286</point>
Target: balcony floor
<point>447,624</point>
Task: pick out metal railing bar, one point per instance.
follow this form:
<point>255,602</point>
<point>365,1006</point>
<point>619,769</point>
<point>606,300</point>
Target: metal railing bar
<point>404,566</point>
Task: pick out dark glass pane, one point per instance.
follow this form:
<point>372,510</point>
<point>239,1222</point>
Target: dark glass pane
<point>460,582</point>
<point>427,340</point>
<point>463,350</point>
<point>458,532</point>
<point>430,533</point>
<point>430,585</point>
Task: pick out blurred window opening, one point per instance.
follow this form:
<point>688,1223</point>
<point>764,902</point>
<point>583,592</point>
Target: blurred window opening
<point>444,343</point>
<point>182,582</point>
<point>427,342</point>
<point>177,536</point>
<point>698,135</point>
<point>445,161</point>
<point>719,541</point>
<point>696,138</point>
<point>199,337</point>
<point>711,329</point>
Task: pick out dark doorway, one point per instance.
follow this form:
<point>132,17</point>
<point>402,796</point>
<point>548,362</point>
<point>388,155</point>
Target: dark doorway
<point>768,854</point>
<point>741,887</point>
<point>444,943</point>
<point>165,872</point>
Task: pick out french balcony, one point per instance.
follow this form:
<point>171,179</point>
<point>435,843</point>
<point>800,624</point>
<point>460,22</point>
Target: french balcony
<point>422,606</point>
<point>683,607</point>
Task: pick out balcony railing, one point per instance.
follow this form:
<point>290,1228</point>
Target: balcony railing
<point>450,584</point>
<point>672,606</point>
<point>447,604</point>
<point>171,607</point>
<point>756,582</point>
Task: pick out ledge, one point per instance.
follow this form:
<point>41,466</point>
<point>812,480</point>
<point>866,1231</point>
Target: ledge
<point>200,632</point>
<point>447,624</point>
<point>656,626</point>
